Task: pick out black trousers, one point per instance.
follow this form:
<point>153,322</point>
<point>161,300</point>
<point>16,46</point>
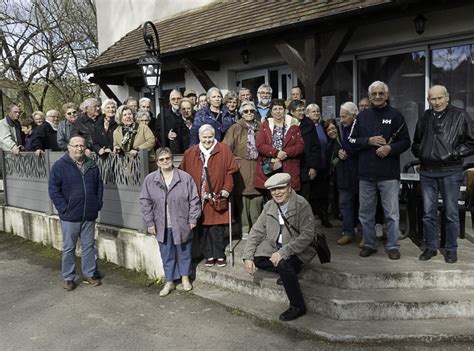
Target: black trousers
<point>288,271</point>
<point>213,240</point>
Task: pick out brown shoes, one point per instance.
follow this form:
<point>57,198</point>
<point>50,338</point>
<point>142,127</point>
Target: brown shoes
<point>69,285</point>
<point>91,281</point>
<point>344,240</point>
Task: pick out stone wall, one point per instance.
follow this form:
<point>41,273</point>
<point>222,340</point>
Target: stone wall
<point>124,247</point>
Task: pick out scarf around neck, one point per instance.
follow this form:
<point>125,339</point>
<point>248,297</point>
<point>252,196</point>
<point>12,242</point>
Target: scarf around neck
<point>206,153</point>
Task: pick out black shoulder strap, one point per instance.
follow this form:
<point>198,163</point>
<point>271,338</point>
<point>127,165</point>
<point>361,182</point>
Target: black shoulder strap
<point>211,188</point>
<point>287,224</point>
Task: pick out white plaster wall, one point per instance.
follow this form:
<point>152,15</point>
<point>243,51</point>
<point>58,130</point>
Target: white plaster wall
<point>115,18</point>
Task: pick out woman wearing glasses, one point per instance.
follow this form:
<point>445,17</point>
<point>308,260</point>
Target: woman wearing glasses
<point>170,205</point>
<point>241,138</point>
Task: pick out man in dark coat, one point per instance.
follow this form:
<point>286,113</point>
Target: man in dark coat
<point>45,135</point>
<point>76,189</point>
<point>380,136</point>
<point>444,136</point>
<point>171,117</point>
<point>86,124</point>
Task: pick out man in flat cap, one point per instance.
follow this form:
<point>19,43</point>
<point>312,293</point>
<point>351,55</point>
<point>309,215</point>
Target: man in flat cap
<point>279,240</point>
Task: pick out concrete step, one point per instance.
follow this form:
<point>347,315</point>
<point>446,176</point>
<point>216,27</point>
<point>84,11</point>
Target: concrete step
<point>372,331</point>
<point>345,304</point>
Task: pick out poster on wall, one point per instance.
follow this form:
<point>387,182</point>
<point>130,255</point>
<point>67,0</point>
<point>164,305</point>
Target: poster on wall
<point>329,107</point>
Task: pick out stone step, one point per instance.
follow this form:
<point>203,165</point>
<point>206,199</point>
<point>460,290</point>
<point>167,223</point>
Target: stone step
<point>372,331</point>
<point>344,304</point>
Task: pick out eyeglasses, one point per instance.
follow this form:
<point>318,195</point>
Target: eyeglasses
<point>77,146</point>
<point>71,113</point>
<point>248,111</point>
<point>163,159</point>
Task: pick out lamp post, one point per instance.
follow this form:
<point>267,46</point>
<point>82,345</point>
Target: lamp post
<point>150,65</point>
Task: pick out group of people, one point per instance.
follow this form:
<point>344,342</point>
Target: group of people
<point>277,158</point>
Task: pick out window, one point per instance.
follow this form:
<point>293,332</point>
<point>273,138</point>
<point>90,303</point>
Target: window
<point>453,67</point>
<point>338,84</point>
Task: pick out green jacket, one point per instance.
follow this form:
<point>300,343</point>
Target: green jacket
<point>263,236</point>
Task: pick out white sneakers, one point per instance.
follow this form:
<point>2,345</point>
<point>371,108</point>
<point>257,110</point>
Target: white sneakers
<point>169,287</point>
<point>186,283</point>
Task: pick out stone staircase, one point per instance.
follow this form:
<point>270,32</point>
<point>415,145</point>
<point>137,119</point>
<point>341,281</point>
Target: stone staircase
<point>360,299</point>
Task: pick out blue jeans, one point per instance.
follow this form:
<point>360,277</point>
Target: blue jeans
<point>176,258</point>
<point>449,188</point>
<point>346,206</point>
<point>368,204</point>
<point>71,232</point>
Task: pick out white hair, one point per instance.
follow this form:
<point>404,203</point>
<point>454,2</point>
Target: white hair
<point>350,107</point>
<point>144,99</point>
<point>205,128</point>
<point>378,83</point>
<point>310,107</point>
<point>265,86</point>
<point>108,102</point>
<point>90,102</point>
<point>209,92</point>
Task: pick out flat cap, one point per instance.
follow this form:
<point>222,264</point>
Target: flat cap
<point>188,92</point>
<point>278,180</point>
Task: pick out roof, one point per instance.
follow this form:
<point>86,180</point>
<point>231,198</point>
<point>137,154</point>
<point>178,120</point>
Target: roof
<point>222,21</point>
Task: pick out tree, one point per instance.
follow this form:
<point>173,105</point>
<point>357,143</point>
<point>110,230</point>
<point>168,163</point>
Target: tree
<point>43,45</point>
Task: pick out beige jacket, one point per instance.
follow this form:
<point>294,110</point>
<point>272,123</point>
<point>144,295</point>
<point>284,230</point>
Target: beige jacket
<point>263,236</point>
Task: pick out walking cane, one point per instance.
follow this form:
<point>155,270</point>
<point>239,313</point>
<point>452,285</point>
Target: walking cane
<point>231,249</point>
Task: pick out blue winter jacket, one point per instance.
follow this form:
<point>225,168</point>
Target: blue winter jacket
<point>390,123</point>
<point>205,116</point>
<point>77,196</point>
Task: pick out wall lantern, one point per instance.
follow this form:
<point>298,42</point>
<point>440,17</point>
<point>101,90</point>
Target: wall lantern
<point>150,63</point>
<point>245,56</point>
<point>420,21</point>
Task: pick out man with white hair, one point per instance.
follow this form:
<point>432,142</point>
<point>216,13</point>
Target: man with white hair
<point>264,105</point>
<point>380,136</point>
<point>444,136</point>
<point>171,116</point>
<point>85,125</point>
<point>45,136</point>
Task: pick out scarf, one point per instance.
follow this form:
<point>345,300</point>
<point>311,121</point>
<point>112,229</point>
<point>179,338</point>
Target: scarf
<point>252,152</point>
<point>128,136</point>
<point>205,155</point>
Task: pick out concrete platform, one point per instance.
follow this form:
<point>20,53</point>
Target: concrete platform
<point>354,299</point>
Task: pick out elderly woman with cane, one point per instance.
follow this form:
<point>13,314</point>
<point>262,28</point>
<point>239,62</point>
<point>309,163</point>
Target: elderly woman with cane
<point>211,164</point>
<point>171,208</point>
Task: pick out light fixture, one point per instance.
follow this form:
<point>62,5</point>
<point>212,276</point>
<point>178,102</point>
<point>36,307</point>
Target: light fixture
<point>420,21</point>
<point>150,63</point>
<point>245,56</point>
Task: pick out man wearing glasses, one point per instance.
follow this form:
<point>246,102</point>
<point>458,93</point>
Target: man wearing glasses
<point>279,241</point>
<point>76,189</point>
<point>65,126</point>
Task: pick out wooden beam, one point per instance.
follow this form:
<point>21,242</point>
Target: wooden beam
<point>107,91</point>
<point>293,58</point>
<point>331,53</point>
<point>200,74</point>
<point>208,65</point>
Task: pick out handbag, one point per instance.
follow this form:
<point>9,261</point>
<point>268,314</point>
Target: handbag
<point>270,168</point>
<point>219,203</point>
<point>318,243</point>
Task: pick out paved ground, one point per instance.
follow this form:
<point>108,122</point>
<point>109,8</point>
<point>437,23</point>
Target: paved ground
<point>126,313</point>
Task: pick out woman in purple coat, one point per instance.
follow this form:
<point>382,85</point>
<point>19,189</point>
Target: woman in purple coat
<point>170,205</point>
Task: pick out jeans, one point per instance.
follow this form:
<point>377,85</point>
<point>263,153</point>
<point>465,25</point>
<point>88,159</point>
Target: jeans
<point>368,204</point>
<point>71,232</point>
<point>449,188</point>
<point>346,207</point>
<point>213,240</point>
<point>176,258</point>
<point>288,271</point>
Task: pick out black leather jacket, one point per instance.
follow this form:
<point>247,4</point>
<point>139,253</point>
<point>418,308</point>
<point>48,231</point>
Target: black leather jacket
<point>442,143</point>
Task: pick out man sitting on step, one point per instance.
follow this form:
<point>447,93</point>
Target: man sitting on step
<point>279,240</point>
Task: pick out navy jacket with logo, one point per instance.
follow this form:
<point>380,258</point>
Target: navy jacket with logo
<point>390,123</point>
<point>77,196</point>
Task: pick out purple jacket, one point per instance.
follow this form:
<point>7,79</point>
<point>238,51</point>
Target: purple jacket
<point>183,202</point>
